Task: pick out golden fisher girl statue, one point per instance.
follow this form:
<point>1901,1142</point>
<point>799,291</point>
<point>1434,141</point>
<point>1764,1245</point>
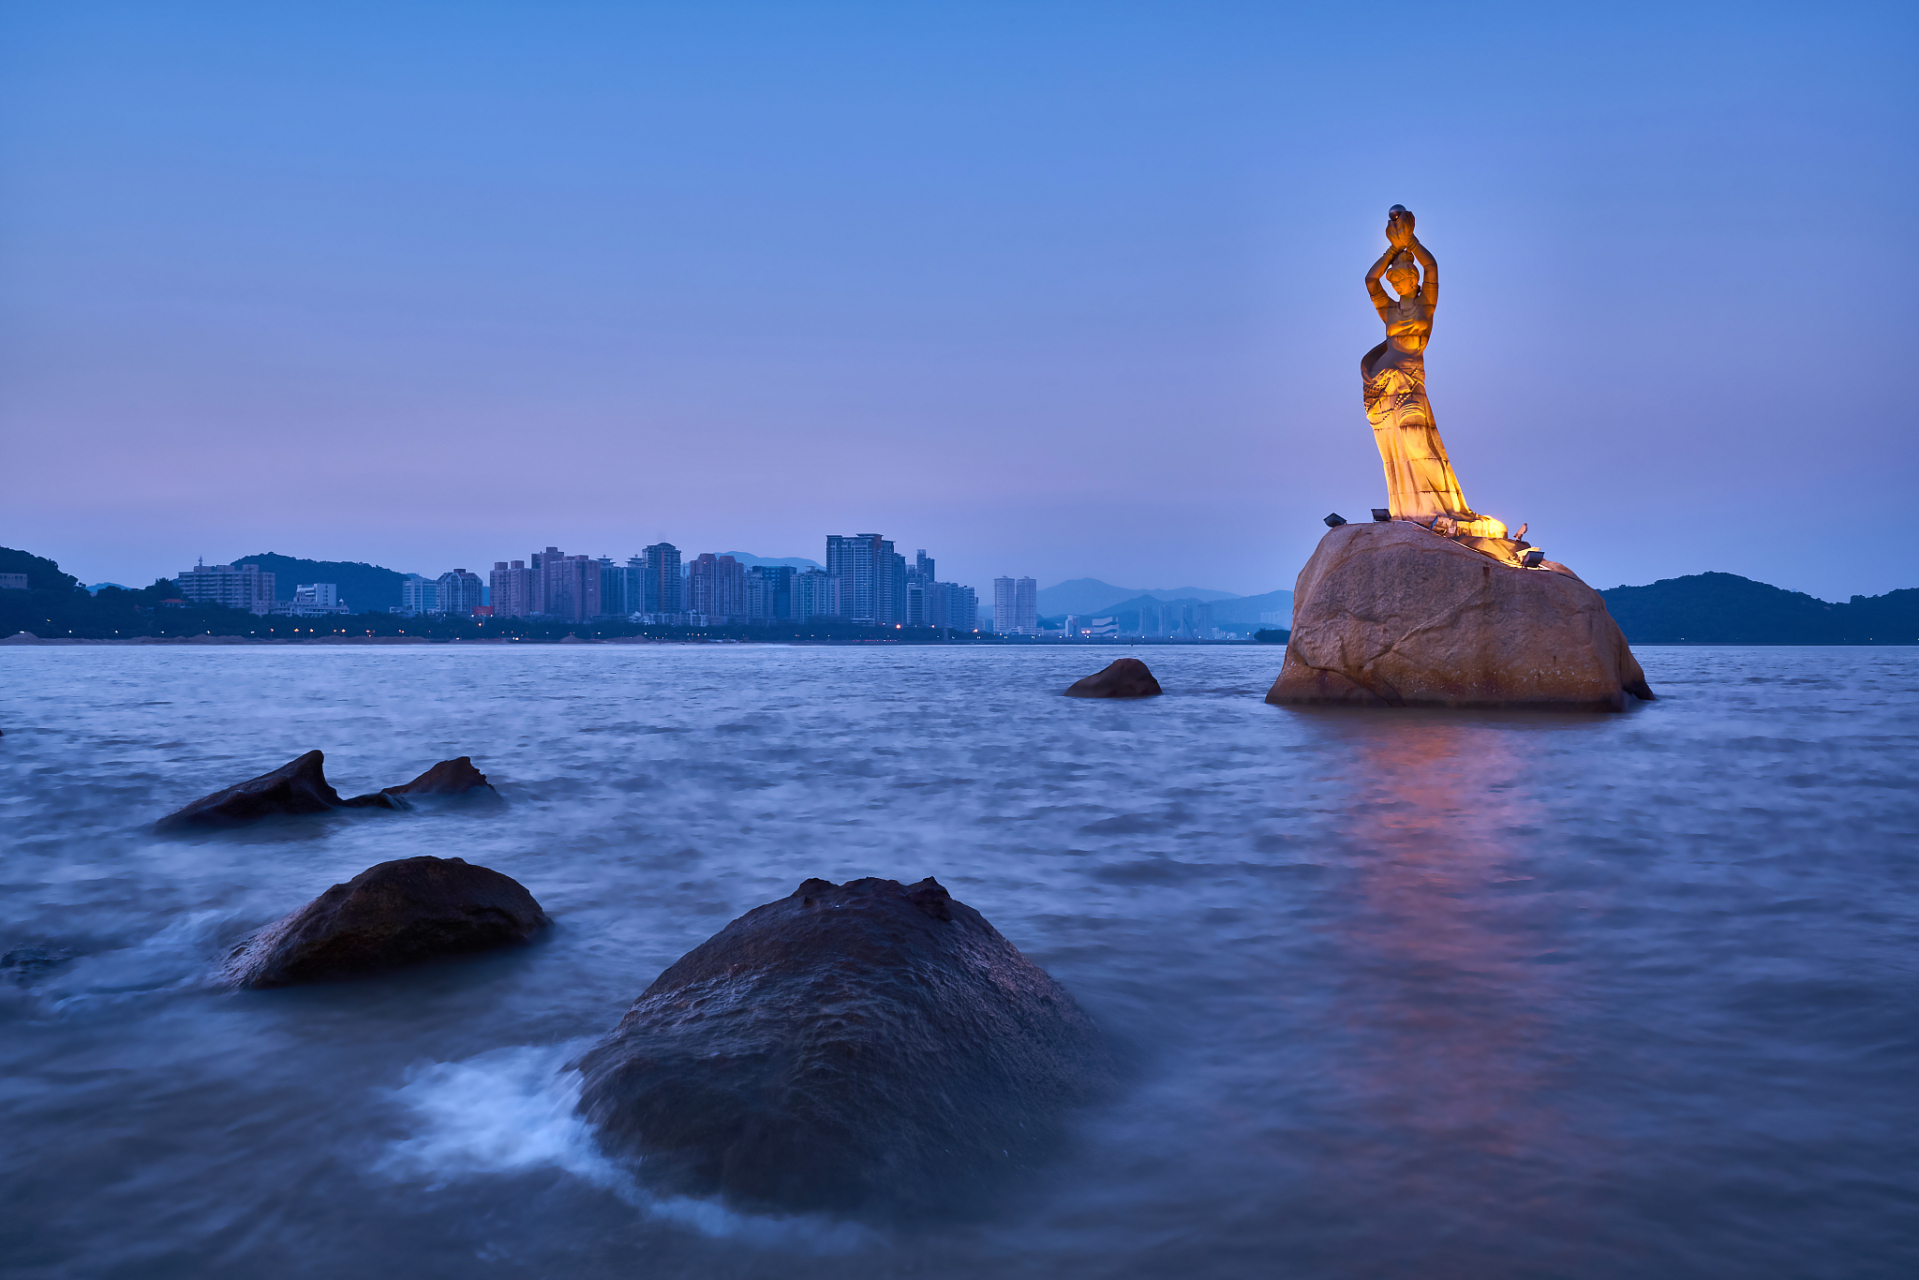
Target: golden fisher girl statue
<point>1420,483</point>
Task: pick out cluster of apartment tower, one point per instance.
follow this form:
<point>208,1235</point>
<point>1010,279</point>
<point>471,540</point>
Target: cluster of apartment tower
<point>865,582</point>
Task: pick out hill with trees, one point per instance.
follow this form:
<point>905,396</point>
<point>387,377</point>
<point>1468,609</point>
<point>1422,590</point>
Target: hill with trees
<point>368,588</point>
<point>1724,608</point>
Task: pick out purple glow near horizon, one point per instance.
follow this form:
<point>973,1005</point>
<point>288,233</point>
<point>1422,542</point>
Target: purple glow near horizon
<point>1064,293</point>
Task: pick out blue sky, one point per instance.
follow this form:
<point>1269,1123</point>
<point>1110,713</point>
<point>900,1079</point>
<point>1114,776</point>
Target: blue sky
<point>1061,290</point>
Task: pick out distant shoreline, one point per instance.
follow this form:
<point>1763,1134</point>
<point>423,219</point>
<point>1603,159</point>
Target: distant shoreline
<point>1008,642</point>
<point>997,642</point>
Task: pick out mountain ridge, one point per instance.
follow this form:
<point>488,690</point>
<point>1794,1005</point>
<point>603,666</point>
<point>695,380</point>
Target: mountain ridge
<point>1090,595</point>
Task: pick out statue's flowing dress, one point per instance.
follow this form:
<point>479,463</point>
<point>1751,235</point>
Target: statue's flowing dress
<point>1420,483</point>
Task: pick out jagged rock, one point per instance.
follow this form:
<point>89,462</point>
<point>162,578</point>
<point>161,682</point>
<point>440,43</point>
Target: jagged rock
<point>1392,615</point>
<point>388,916</point>
<point>1124,678</point>
<point>449,778</point>
<point>297,787</point>
<point>863,1048</point>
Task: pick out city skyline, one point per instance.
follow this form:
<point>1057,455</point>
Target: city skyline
<point>1070,292</point>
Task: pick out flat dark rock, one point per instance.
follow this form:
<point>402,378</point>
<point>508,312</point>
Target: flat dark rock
<point>296,787</point>
<point>866,1048</point>
<point>1125,678</point>
<point>388,916</point>
<point>449,778</point>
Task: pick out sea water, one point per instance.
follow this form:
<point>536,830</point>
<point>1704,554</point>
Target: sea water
<point>1400,993</point>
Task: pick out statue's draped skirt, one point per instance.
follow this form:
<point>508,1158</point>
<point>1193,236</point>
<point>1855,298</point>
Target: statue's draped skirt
<point>1420,483</point>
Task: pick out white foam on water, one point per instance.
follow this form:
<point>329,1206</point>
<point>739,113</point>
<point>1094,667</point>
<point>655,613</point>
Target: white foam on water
<point>174,958</point>
<point>511,1111</point>
<point>505,1111</point>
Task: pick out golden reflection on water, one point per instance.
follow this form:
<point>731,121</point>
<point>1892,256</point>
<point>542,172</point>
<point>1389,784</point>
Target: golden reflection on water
<point>1448,1007</point>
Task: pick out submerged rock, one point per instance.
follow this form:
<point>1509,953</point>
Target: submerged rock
<point>1392,615</point>
<point>296,787</point>
<point>388,916</point>
<point>449,778</point>
<point>858,1048</point>
<point>1125,678</point>
<point>28,964</point>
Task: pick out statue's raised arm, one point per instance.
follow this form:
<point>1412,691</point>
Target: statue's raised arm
<point>1381,299</point>
<point>1429,287</point>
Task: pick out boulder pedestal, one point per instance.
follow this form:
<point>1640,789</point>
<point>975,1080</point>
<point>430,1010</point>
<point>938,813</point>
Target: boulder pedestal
<point>1389,614</point>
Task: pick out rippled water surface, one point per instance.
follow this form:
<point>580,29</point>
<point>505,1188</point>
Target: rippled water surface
<point>1409,993</point>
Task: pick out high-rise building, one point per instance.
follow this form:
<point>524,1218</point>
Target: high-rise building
<point>895,595</point>
<point>920,605</point>
<point>662,587</point>
<point>622,587</point>
<point>458,593</point>
<point>243,586</point>
<point>545,583</point>
<point>716,589</point>
<point>959,606</point>
<point>569,586</point>
<point>1016,606</point>
<point>871,577</point>
<point>419,595</point>
<point>816,594</point>
<point>516,589</point>
<point>769,594</point>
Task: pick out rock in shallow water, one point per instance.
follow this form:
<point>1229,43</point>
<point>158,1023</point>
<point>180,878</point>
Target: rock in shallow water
<point>1392,615</point>
<point>865,1048</point>
<point>1124,678</point>
<point>296,787</point>
<point>300,787</point>
<point>448,779</point>
<point>390,915</point>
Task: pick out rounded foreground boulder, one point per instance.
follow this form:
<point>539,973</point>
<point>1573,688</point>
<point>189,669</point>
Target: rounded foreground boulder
<point>389,916</point>
<point>869,1049</point>
<point>1125,678</point>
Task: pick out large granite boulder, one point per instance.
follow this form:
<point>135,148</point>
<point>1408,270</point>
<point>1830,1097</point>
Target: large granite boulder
<point>1389,614</point>
<point>1125,678</point>
<point>866,1048</point>
<point>296,787</point>
<point>388,916</point>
